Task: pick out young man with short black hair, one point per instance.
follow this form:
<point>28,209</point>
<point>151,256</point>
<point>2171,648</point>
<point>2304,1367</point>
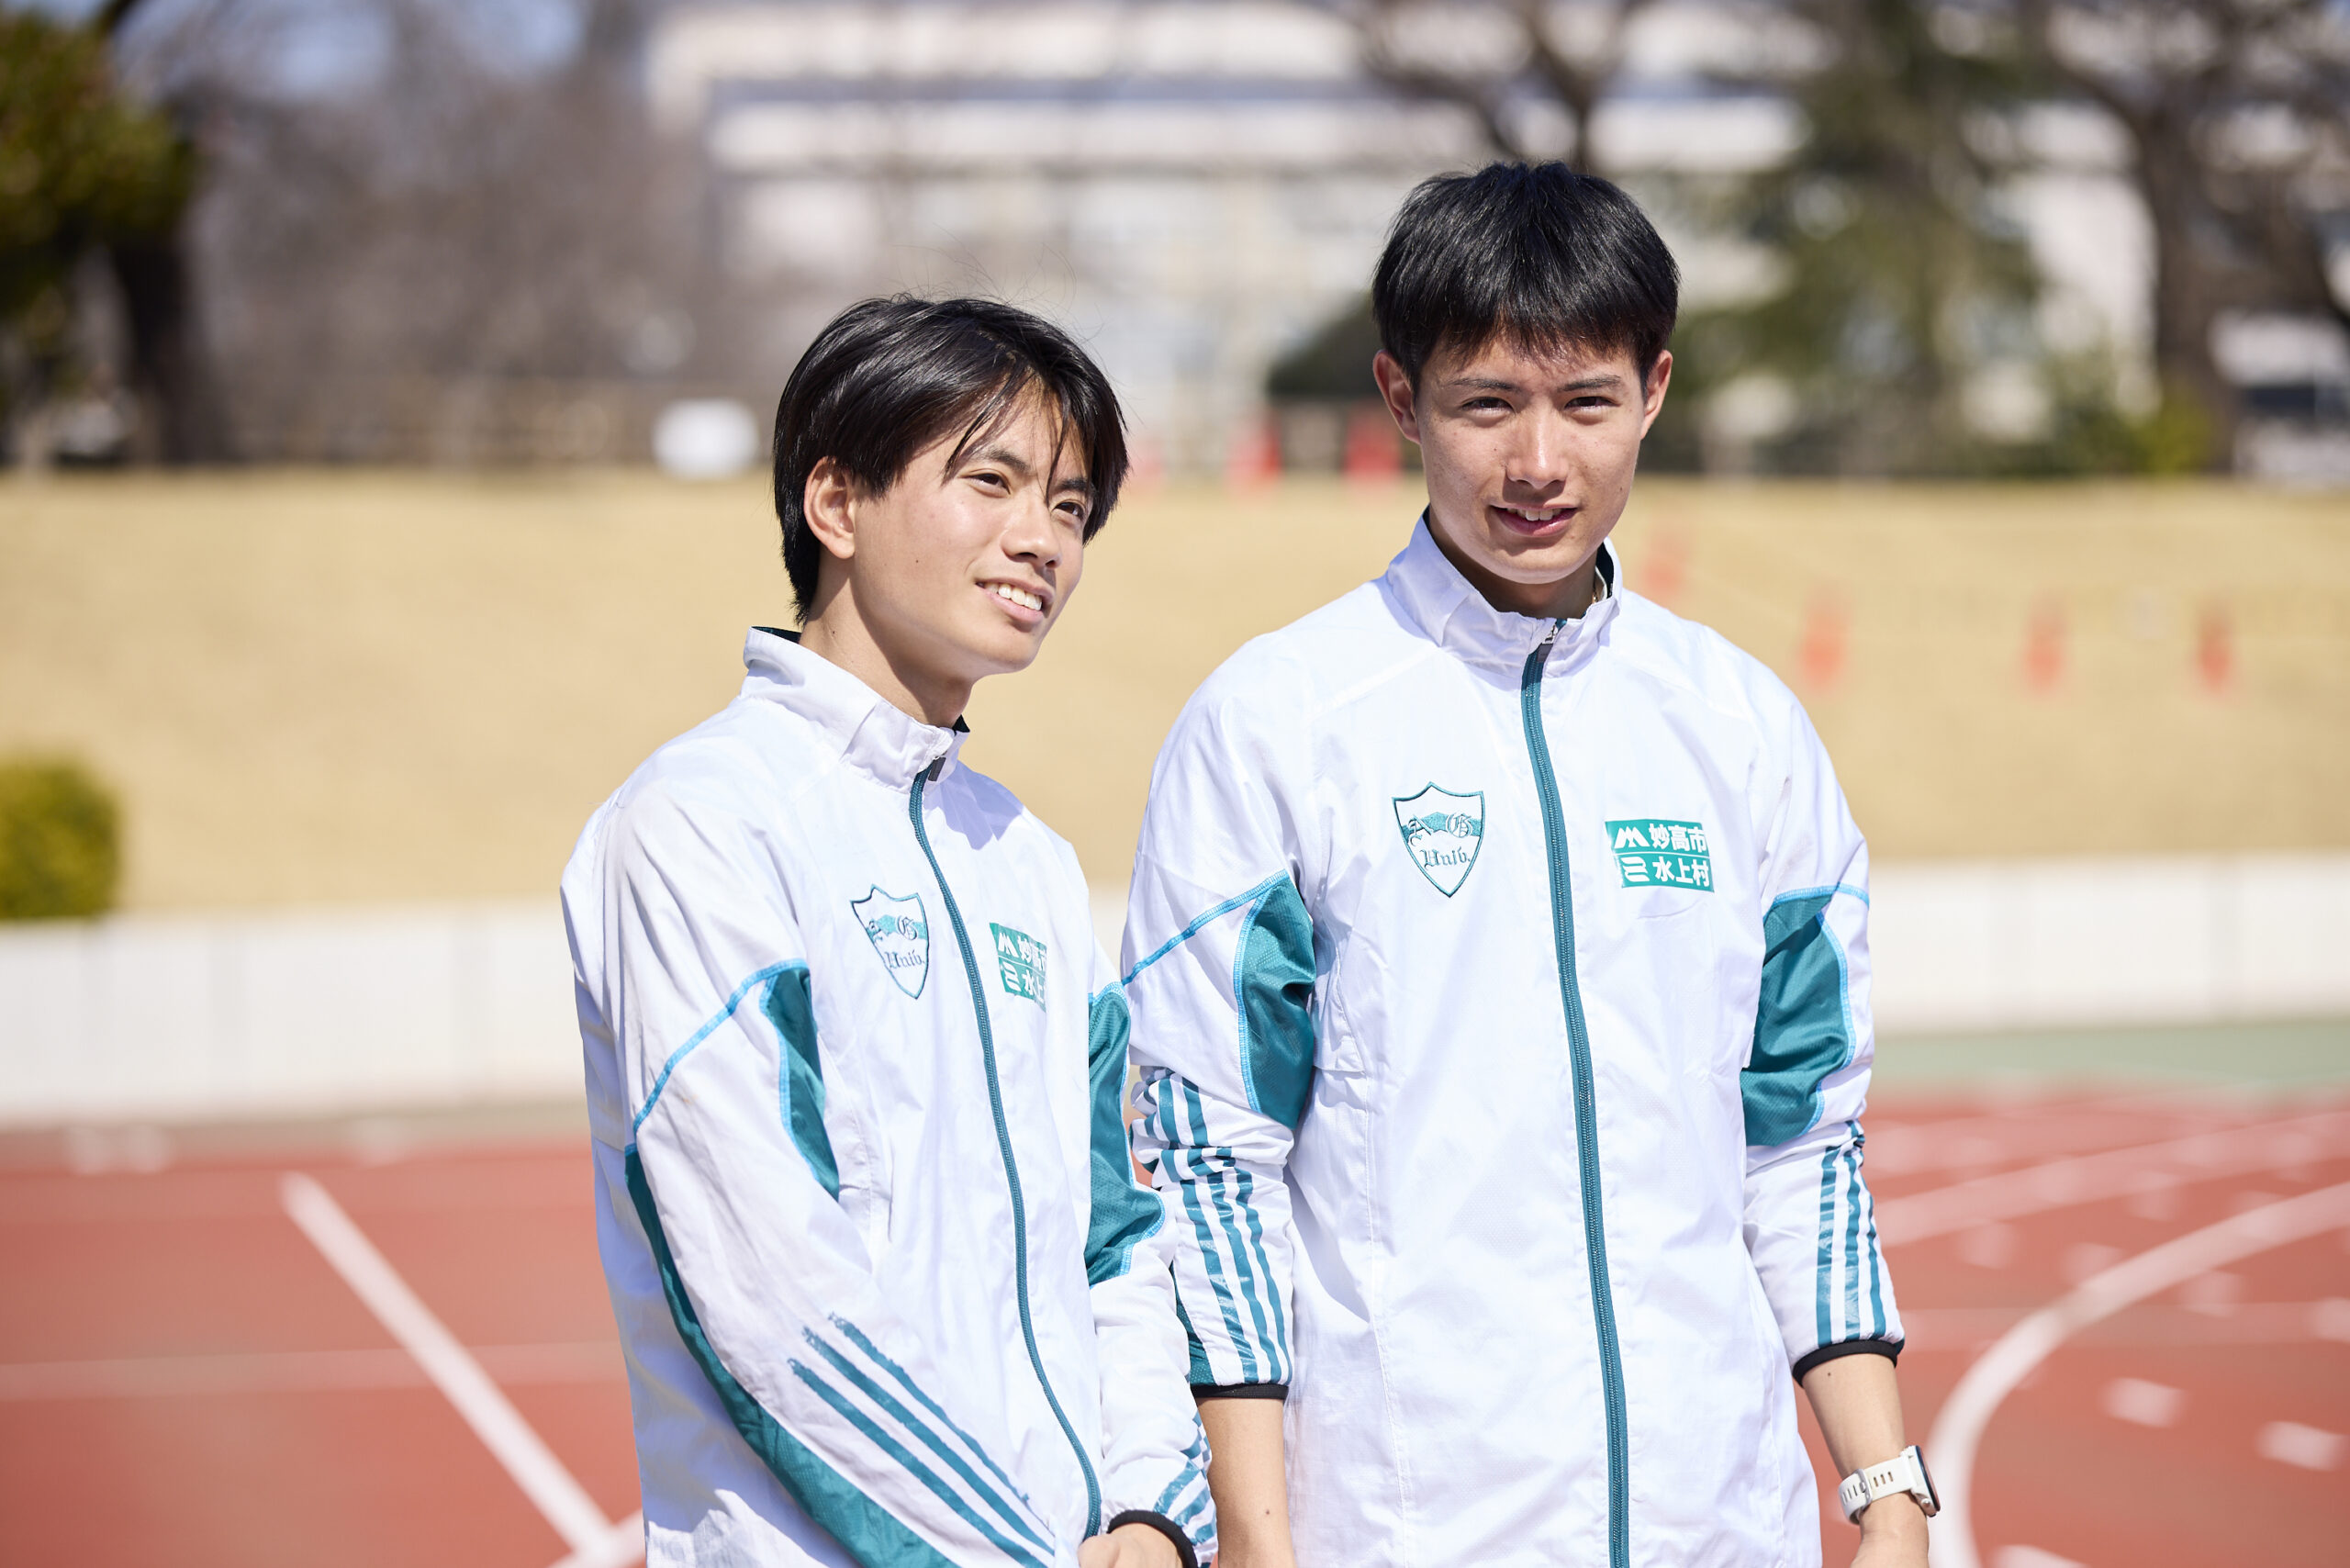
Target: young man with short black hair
<point>1498,962</point>
<point>886,1289</point>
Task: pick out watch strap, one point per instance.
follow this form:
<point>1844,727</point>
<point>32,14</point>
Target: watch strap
<point>1905,1472</point>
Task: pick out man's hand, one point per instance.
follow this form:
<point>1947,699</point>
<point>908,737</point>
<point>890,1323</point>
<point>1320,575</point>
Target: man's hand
<point>1129,1546</point>
<point>1893,1534</point>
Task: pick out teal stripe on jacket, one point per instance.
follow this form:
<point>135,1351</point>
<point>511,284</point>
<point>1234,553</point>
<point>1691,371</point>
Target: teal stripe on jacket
<point>1123,1212</point>
<point>870,1531</point>
<point>1272,981</point>
<point>1802,1028</point>
<point>913,1466</point>
<point>923,1433</point>
<point>799,1079</point>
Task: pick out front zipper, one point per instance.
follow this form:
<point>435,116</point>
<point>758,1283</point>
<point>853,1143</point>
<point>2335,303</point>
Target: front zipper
<point>1004,1142</point>
<point>1594,1233</point>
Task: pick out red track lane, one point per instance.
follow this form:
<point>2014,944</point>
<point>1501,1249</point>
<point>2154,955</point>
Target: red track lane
<point>123,1283</point>
<point>194,1263</point>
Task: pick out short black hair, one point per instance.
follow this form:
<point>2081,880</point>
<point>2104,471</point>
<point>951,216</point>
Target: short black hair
<point>887,377</point>
<point>1534,255</point>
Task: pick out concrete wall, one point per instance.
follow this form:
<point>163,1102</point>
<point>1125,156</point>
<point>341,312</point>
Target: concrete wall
<point>235,1016</point>
<point>161,1018</point>
<point>2024,944</point>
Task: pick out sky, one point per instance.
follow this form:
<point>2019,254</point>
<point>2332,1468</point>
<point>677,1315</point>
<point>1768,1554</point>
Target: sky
<point>315,48</point>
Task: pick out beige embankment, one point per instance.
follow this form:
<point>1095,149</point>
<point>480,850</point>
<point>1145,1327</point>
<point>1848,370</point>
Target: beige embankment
<point>375,686</point>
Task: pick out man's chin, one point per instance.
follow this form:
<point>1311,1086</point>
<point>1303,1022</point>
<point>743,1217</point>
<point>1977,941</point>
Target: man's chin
<point>999,652</point>
<point>1531,562</point>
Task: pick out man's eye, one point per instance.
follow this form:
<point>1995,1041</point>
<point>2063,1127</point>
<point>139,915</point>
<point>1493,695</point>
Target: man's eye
<point>988,476</point>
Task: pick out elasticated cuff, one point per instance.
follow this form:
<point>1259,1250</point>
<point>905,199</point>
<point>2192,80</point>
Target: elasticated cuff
<point>1240,1391</point>
<point>1164,1525</point>
<point>1889,1348</point>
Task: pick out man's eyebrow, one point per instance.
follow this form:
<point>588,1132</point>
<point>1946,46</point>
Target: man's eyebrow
<point>1003,457</point>
<point>1604,380</point>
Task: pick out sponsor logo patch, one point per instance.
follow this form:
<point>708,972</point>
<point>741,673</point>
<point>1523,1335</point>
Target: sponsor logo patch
<point>1652,851</point>
<point>1020,961</point>
<point>1442,833</point>
<point>900,932</point>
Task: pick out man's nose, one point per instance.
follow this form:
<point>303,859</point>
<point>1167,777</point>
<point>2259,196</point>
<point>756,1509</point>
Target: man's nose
<point>1540,459</point>
<point>1032,536</point>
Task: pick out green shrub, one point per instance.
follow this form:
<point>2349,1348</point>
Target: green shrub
<point>61,853</point>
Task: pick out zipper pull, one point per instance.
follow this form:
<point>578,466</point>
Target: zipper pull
<point>937,765</point>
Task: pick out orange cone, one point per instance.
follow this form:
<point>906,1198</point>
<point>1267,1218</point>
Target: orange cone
<point>1373,457</point>
<point>1820,654</point>
<point>1665,565</point>
<point>2043,646</point>
<point>2215,648</point>
<point>1254,459</point>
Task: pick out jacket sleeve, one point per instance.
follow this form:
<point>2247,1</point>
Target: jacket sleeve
<point>1810,1225</point>
<point>731,1177</point>
<point>1154,1453</point>
<point>1220,968</point>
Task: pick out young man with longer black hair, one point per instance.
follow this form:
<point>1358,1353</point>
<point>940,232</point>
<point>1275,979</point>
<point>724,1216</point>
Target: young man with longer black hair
<point>888,1291</point>
<point>1498,952</point>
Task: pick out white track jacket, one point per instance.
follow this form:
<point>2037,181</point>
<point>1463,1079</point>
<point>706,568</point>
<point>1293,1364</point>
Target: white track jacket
<point>887,1288</point>
<point>1500,990</point>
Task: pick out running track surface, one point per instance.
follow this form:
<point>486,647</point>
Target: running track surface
<point>187,1376</point>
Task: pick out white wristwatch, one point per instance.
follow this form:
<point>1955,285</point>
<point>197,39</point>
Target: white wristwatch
<point>1905,1472</point>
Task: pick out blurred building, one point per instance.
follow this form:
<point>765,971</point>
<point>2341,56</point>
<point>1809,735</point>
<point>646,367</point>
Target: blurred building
<point>1195,186</point>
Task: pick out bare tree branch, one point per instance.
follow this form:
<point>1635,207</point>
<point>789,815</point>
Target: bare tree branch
<point>2231,231</point>
<point>1543,68</point>
<point>1376,25</point>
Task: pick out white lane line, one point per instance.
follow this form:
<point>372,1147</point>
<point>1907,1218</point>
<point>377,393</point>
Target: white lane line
<point>294,1372</point>
<point>2117,1173</point>
<point>564,1503</point>
<point>1958,1425</point>
<point>2034,1126</point>
<point>2142,1403</point>
<point>2030,1557</point>
<point>2289,1442</point>
<point>622,1545</point>
<point>1941,1330</point>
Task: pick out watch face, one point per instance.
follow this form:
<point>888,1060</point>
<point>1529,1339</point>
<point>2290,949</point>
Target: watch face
<point>1933,1498</point>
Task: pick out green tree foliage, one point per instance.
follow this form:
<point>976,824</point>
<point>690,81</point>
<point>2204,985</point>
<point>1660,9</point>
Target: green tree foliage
<point>1333,365</point>
<point>61,853</point>
<point>1899,277</point>
<point>1902,336</point>
<point>2236,115</point>
<point>81,166</point>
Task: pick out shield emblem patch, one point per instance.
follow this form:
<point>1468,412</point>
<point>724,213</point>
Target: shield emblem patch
<point>1442,833</point>
<point>900,932</point>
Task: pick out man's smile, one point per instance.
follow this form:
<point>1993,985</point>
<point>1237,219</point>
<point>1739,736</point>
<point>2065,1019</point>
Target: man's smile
<point>1027,604</point>
<point>1531,521</point>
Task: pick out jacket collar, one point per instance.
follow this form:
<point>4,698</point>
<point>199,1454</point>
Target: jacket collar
<point>871,735</point>
<point>1447,607</point>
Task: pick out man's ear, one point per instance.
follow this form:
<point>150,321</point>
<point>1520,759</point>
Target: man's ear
<point>1652,387</point>
<point>828,502</point>
<point>1396,391</point>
